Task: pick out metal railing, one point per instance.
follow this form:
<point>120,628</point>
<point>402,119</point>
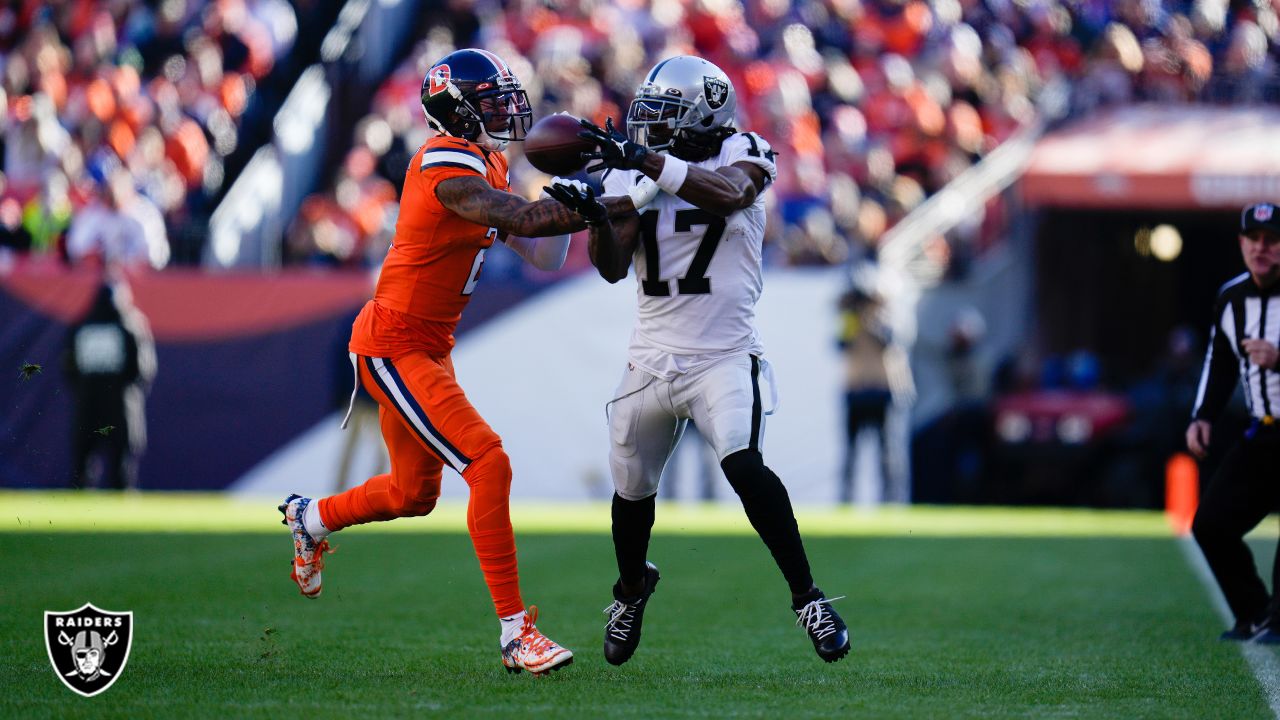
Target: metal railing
<point>247,227</point>
<point>902,247</point>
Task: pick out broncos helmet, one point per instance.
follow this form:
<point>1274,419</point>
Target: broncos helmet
<point>472,94</point>
<point>685,106</point>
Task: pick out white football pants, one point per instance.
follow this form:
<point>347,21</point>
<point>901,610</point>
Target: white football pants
<point>648,416</point>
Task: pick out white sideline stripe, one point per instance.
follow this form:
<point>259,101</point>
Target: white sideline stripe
<point>1262,659</point>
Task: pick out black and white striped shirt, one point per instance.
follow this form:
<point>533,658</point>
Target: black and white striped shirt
<point>1243,312</point>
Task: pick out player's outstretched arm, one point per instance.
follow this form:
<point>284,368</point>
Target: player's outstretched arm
<point>476,200</point>
<point>545,253</point>
<point>721,192</point>
<point>609,249</point>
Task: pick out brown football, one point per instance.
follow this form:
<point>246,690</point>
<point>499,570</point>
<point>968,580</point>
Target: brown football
<point>553,145</point>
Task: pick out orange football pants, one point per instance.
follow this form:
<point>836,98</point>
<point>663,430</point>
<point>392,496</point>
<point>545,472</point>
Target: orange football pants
<point>428,422</point>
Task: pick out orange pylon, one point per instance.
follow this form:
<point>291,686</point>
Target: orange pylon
<point>1181,492</point>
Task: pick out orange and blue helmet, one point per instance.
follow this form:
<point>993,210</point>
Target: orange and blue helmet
<point>473,94</point>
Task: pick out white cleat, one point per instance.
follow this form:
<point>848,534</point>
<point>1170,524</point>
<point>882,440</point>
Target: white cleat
<point>308,555</point>
<point>533,651</point>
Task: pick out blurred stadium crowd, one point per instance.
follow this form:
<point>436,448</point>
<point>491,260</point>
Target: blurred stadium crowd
<point>121,116</point>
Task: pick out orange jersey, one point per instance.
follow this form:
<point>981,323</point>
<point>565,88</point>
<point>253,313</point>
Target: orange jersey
<point>435,259</point>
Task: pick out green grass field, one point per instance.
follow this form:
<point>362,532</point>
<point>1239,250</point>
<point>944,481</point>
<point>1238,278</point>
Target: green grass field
<point>953,613</point>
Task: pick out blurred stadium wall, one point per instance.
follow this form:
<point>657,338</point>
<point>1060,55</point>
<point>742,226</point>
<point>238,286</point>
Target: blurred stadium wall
<point>252,385</point>
<point>920,137</point>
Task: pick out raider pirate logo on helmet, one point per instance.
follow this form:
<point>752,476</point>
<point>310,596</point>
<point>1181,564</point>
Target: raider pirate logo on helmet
<point>717,92</point>
<point>685,106</point>
<point>88,647</point>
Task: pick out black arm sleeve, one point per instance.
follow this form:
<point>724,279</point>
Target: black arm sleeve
<point>1221,371</point>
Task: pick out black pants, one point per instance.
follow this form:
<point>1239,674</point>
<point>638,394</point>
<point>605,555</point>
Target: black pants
<point>110,444</point>
<point>1245,490</point>
<point>864,409</point>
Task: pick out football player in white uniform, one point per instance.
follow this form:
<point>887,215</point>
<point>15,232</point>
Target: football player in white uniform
<point>695,353</point>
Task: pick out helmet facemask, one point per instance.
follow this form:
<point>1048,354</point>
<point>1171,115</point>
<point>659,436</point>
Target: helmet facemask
<point>654,119</point>
<point>499,111</point>
<point>664,120</point>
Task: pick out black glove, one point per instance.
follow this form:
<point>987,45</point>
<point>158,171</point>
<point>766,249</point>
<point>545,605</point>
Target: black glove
<point>613,149</point>
<point>580,198</point>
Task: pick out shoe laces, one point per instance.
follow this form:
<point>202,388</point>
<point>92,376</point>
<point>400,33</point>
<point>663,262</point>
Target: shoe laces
<point>817,619</point>
<point>318,551</point>
<point>532,639</point>
<point>621,616</point>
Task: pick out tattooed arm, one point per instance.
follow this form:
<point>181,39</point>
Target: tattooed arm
<point>474,199</point>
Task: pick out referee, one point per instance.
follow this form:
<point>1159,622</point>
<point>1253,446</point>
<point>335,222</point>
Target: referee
<point>1242,346</point>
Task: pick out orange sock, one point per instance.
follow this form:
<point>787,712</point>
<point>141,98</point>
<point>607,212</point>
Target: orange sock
<point>489,522</point>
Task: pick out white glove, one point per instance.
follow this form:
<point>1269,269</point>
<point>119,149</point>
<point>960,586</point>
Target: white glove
<point>643,192</point>
<point>567,182</point>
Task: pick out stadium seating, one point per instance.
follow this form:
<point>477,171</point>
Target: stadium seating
<point>873,106</point>
<point>154,90</point>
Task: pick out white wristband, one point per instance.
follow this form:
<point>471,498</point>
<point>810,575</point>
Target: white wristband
<point>673,174</point>
<point>643,192</point>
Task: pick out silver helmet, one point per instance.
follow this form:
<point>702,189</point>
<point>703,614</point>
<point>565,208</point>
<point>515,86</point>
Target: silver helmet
<point>686,106</point>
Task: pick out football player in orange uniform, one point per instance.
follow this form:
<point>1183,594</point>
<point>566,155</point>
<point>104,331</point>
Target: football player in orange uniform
<point>455,204</point>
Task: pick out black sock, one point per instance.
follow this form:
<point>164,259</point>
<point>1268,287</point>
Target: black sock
<point>768,508</point>
<point>799,600</point>
<point>632,522</point>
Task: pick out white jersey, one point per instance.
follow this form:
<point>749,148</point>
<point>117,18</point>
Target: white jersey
<point>698,276</point>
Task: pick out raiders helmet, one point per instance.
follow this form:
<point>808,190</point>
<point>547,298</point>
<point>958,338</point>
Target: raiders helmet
<point>685,106</point>
<point>473,94</point>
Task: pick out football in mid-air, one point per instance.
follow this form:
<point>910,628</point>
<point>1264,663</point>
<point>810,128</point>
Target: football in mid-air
<point>553,145</point>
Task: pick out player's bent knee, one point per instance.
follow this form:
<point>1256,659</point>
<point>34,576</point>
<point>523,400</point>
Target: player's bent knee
<point>744,470</point>
<point>492,466</point>
<point>633,497</point>
<point>410,504</point>
<point>417,507</point>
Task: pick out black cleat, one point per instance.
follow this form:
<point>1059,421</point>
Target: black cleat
<point>1265,633</point>
<point>1244,631</point>
<point>622,632</point>
<point>828,632</point>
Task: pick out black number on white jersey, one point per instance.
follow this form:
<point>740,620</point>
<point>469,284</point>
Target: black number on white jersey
<point>755,147</point>
<point>695,281</point>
